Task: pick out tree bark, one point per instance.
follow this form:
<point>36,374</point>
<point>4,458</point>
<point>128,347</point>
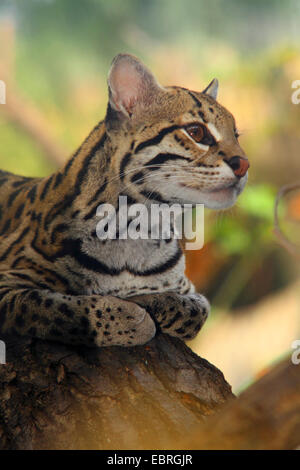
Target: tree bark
<point>54,396</point>
<point>265,416</point>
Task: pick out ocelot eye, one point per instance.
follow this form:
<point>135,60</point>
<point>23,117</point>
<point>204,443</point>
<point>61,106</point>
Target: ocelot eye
<point>196,131</point>
<point>200,134</point>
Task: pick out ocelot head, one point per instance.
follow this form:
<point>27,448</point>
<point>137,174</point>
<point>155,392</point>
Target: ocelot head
<point>174,144</point>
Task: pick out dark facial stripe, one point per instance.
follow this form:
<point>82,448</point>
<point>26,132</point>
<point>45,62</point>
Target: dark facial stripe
<point>147,143</point>
<point>137,177</point>
<point>162,158</point>
<point>157,139</point>
<point>124,163</point>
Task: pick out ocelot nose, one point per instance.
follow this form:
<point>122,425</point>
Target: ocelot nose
<point>239,165</point>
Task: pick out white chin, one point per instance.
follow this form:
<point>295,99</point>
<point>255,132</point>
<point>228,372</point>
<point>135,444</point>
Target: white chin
<point>218,199</point>
<point>221,199</point>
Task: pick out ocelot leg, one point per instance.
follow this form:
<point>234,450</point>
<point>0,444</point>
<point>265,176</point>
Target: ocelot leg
<point>95,320</point>
<point>180,315</point>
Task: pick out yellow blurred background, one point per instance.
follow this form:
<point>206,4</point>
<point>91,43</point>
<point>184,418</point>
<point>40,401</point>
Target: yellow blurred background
<point>54,57</point>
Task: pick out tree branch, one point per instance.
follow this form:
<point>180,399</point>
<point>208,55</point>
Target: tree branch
<point>57,397</point>
<point>265,416</point>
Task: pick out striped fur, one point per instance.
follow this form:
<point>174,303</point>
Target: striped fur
<point>57,279</point>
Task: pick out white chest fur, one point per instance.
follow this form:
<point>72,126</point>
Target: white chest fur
<point>137,267</point>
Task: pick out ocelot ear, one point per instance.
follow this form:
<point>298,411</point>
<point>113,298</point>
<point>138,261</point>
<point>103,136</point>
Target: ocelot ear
<point>212,89</point>
<point>131,85</point>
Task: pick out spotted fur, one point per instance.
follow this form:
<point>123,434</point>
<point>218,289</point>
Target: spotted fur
<point>57,279</point>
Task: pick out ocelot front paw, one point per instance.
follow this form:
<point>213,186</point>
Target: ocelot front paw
<point>175,314</point>
<point>121,323</point>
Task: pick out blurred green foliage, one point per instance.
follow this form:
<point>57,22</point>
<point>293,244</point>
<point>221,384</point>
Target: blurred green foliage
<point>252,229</point>
<point>246,240</point>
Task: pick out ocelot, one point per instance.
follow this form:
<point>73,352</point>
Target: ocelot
<point>58,280</point>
